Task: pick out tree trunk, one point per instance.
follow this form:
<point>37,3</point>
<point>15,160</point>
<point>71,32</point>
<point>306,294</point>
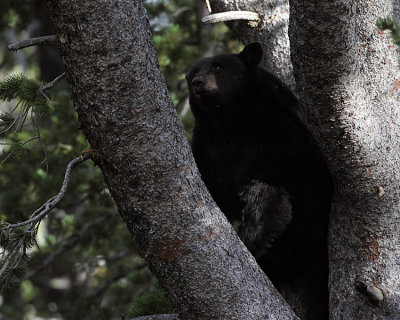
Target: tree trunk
<point>272,32</point>
<point>348,80</point>
<point>127,115</point>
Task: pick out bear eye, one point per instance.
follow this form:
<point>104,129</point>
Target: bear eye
<point>217,67</point>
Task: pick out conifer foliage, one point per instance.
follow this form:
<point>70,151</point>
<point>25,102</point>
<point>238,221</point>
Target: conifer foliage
<point>31,101</point>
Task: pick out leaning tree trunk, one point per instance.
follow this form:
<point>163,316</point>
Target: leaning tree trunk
<point>348,81</point>
<point>272,32</point>
<point>127,115</point>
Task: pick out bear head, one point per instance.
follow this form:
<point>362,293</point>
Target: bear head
<point>220,82</point>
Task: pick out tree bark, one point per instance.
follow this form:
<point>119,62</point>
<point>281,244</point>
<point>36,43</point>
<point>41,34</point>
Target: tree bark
<point>127,115</point>
<point>272,32</point>
<point>348,80</point>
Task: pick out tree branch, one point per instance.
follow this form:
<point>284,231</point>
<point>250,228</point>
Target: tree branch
<point>37,216</point>
<point>39,41</point>
<point>66,245</point>
<point>50,85</point>
<point>51,203</point>
<point>18,143</point>
<point>233,15</point>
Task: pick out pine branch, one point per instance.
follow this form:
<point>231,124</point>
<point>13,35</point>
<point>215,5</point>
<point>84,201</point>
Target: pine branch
<point>19,143</point>
<point>10,87</point>
<point>31,99</point>
<point>21,236</point>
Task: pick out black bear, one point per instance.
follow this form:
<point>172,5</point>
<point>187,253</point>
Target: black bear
<point>265,171</point>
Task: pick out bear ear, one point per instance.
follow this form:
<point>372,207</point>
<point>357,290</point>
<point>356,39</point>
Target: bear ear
<point>251,55</point>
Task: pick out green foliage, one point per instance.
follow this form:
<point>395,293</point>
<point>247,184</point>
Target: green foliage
<point>73,228</point>
<point>19,152</point>
<point>15,242</point>
<point>180,43</point>
<point>27,91</point>
<point>18,12</point>
<point>153,302</point>
<point>86,266</point>
<point>389,23</point>
<point>28,291</point>
<point>32,104</point>
<point>6,121</point>
<point>10,87</point>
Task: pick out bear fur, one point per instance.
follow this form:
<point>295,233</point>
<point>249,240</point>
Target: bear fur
<point>265,171</point>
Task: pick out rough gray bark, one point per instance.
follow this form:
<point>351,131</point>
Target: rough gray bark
<point>348,80</point>
<point>272,32</point>
<point>127,115</point>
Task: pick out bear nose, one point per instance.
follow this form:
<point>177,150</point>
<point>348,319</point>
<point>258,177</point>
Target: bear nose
<point>198,81</point>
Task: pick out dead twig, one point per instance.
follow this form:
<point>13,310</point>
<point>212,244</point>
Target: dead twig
<point>39,41</point>
<point>233,15</point>
<point>50,85</point>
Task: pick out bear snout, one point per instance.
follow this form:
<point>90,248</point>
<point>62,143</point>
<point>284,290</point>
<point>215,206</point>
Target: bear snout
<point>198,81</point>
<point>198,84</point>
<point>203,85</point>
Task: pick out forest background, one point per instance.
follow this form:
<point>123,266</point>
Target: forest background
<point>347,79</point>
<point>84,259</point>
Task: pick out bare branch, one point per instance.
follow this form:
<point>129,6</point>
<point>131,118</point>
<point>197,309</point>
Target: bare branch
<point>19,120</point>
<point>18,143</point>
<point>10,257</point>
<point>50,85</point>
<point>51,203</point>
<point>21,117</point>
<point>39,41</point>
<point>208,5</point>
<point>39,214</point>
<point>14,121</point>
<point>7,157</point>
<point>232,15</point>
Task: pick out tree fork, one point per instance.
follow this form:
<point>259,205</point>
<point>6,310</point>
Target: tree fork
<point>126,113</point>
